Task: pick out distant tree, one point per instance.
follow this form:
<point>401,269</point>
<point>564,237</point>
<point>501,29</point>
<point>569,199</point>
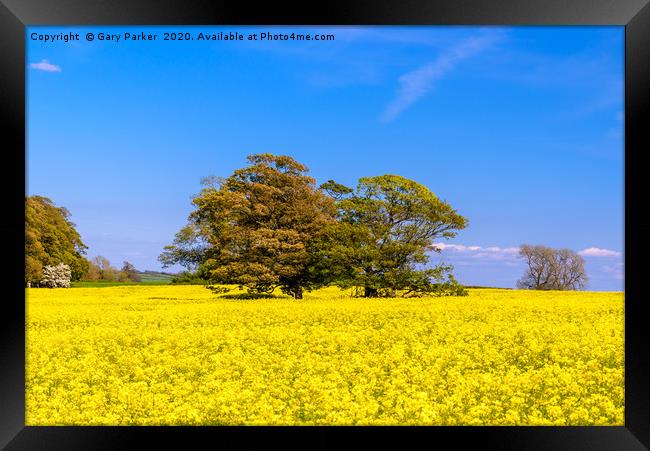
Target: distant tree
<point>130,272</point>
<point>93,273</point>
<point>257,228</point>
<point>56,276</point>
<point>103,264</point>
<point>50,239</point>
<point>101,268</point>
<point>552,269</point>
<point>386,229</point>
<point>188,278</point>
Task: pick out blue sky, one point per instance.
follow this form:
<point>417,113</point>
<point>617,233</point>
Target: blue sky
<point>519,128</point>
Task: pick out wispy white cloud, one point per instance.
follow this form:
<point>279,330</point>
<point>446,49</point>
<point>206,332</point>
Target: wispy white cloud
<point>598,252</point>
<point>486,263</point>
<point>480,252</point>
<point>463,248</point>
<point>415,84</point>
<point>45,66</point>
<point>502,252</point>
<point>456,247</point>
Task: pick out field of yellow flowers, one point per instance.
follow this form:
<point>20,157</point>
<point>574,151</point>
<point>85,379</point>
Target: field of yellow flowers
<point>181,355</point>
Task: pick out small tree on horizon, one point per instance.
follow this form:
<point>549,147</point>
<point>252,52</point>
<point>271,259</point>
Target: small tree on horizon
<point>130,272</point>
<point>106,270</point>
<point>552,269</point>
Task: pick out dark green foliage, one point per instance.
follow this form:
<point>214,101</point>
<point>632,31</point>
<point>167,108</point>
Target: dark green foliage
<point>385,229</point>
<point>218,289</point>
<point>189,278</point>
<point>432,282</point>
<point>50,239</point>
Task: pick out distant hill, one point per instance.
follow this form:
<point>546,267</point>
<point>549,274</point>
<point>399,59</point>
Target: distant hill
<point>155,277</point>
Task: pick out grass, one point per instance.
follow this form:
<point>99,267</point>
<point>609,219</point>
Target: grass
<point>145,279</point>
<point>156,277</point>
<point>105,284</point>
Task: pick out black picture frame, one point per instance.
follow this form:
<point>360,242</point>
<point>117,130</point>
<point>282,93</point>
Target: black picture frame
<point>15,15</point>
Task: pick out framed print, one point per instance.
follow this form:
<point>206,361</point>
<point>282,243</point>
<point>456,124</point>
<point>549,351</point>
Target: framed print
<point>367,221</point>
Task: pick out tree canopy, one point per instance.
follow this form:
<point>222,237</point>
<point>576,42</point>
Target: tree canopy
<point>267,225</point>
<point>100,269</point>
<point>257,228</point>
<point>51,239</point>
<point>384,236</point>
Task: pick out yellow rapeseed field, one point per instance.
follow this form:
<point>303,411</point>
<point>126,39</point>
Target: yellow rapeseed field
<point>180,355</point>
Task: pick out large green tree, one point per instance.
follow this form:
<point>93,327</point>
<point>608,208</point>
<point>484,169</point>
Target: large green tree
<point>258,228</point>
<point>50,239</point>
<point>385,233</point>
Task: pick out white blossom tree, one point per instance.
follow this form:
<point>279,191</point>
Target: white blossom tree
<point>56,276</point>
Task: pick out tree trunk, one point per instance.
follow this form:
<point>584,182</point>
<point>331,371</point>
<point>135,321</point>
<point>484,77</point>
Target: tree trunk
<point>297,293</point>
<point>370,292</point>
